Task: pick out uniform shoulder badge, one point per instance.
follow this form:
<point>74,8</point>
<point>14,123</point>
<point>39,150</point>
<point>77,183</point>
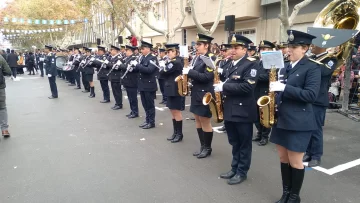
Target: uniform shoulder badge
<point>253,72</point>
<point>315,61</point>
<point>329,64</point>
<point>251,59</point>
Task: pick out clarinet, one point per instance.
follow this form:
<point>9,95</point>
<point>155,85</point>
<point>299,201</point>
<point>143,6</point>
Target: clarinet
<point>127,70</point>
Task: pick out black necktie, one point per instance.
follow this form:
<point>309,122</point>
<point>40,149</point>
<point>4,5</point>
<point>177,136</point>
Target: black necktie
<point>288,68</point>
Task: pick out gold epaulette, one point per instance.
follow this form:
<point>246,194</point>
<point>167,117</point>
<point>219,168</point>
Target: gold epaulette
<point>174,59</point>
<point>315,61</point>
<point>251,59</point>
<point>209,69</point>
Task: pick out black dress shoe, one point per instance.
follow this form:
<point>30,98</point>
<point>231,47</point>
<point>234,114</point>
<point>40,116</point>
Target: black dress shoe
<point>162,102</point>
<point>143,124</point>
<point>314,163</point>
<point>257,138</point>
<point>92,96</point>
<point>85,91</point>
<point>133,116</point>
<point>306,158</point>
<point>222,129</point>
<point>228,175</point>
<point>77,88</point>
<point>105,101</point>
<point>52,97</point>
<point>178,138</point>
<point>263,142</point>
<point>128,114</point>
<point>116,107</point>
<point>237,179</point>
<point>71,84</point>
<point>148,126</point>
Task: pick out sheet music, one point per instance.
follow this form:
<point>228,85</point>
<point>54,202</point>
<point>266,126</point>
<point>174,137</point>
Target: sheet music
<point>208,61</point>
<point>272,58</point>
<point>184,51</point>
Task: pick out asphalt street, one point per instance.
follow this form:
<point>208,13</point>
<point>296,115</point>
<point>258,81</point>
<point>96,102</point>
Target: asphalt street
<point>75,149</point>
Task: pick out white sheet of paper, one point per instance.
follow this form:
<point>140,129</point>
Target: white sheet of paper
<point>208,61</point>
<point>184,51</point>
<point>272,58</point>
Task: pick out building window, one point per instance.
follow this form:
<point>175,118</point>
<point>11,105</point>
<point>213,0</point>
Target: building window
<point>249,33</point>
<point>164,10</point>
<point>184,36</point>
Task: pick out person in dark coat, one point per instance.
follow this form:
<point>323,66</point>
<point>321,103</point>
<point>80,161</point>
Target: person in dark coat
<point>103,70</point>
<point>202,78</point>
<point>315,148</point>
<point>147,83</point>
<point>262,89</point>
<point>51,71</point>
<point>82,70</point>
<point>239,108</point>
<point>30,63</point>
<point>169,71</point>
<point>115,77</point>
<point>129,80</point>
<point>12,60</point>
<point>297,90</point>
<point>162,57</point>
<point>89,71</point>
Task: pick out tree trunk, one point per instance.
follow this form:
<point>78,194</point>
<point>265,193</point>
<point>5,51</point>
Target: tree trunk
<point>347,84</point>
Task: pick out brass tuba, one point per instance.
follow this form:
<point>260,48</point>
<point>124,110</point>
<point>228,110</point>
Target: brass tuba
<point>182,81</point>
<point>215,104</point>
<point>340,14</point>
<point>267,104</point>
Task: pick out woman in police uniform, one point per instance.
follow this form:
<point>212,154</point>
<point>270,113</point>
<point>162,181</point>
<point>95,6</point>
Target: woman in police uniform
<point>297,90</point>
<point>169,72</point>
<point>202,81</point>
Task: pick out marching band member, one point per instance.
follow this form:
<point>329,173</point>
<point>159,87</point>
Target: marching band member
<point>239,108</point>
<point>262,89</point>
<point>169,72</point>
<point>295,116</point>
<point>103,70</point>
<point>252,52</point>
<point>89,71</point>
<point>115,77</point>
<point>51,71</point>
<point>162,57</point>
<point>130,80</point>
<point>83,75</point>
<point>202,81</point>
<point>76,71</point>
<point>147,83</point>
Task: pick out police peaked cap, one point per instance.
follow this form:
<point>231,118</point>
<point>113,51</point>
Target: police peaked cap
<point>161,50</point>
<point>240,40</point>
<point>204,38</point>
<point>146,44</point>
<point>132,48</point>
<point>252,48</point>
<point>172,46</point>
<point>48,47</point>
<point>299,38</point>
<point>225,47</point>
<point>122,46</point>
<point>266,44</point>
<point>101,48</point>
<point>88,50</point>
<point>116,48</point>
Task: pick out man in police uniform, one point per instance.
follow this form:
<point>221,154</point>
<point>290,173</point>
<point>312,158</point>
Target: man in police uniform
<point>239,108</point>
<point>83,74</point>
<point>130,80</point>
<point>162,57</point>
<point>76,63</point>
<point>51,71</point>
<point>103,70</point>
<point>115,76</point>
<point>147,83</point>
<point>262,89</point>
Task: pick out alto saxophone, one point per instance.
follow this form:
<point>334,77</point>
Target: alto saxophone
<point>215,104</point>
<point>182,81</point>
<point>267,104</point>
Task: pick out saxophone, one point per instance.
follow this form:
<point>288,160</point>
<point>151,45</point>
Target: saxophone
<point>267,104</point>
<point>182,81</point>
<point>215,104</point>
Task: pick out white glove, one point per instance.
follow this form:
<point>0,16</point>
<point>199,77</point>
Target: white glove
<point>106,62</point>
<point>118,63</point>
<point>83,62</point>
<point>185,71</point>
<point>162,63</point>
<point>220,70</point>
<point>133,63</point>
<point>41,59</point>
<point>49,75</point>
<point>191,67</point>
<point>130,68</point>
<point>92,59</point>
<point>277,87</point>
<point>218,87</point>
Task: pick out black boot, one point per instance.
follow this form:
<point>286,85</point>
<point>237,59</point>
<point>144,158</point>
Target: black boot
<point>175,131</point>
<point>201,138</point>
<point>208,136</point>
<point>257,138</point>
<point>297,178</point>
<point>92,92</point>
<point>286,182</point>
<point>179,135</point>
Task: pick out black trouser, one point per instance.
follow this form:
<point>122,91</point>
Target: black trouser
<point>77,78</point>
<point>162,89</point>
<point>262,131</point>
<point>147,100</point>
<point>117,92</point>
<point>239,135</point>
<point>84,81</point>
<point>53,87</point>
<point>30,67</point>
<point>105,88</point>
<point>14,71</point>
<point>71,75</point>
<point>41,67</point>
<point>133,101</point>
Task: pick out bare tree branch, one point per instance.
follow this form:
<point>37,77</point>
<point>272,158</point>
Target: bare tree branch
<point>296,10</point>
<point>182,11</point>
<point>201,28</point>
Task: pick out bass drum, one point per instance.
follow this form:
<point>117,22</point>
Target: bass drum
<point>60,62</point>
